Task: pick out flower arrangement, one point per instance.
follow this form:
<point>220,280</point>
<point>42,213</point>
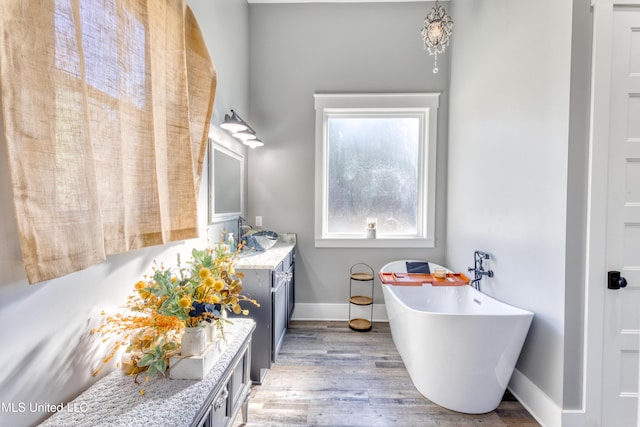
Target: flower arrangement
<point>170,300</point>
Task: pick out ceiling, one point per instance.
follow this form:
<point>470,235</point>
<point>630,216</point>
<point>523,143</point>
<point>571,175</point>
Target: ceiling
<point>337,1</point>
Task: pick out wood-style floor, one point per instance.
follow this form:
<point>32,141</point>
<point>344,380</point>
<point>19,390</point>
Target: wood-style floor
<point>328,375</point>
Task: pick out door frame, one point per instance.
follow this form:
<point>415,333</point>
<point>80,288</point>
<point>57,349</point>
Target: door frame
<point>596,269</point>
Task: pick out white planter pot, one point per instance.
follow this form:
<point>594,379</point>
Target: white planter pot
<point>194,341</point>
<point>212,331</point>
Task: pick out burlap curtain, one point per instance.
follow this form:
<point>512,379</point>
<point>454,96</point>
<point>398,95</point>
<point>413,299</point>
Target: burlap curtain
<point>106,105</point>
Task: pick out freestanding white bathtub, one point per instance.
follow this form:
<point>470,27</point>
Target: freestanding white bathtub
<point>459,345</point>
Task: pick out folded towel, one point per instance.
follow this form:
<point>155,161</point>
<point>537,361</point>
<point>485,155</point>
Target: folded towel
<point>418,267</point>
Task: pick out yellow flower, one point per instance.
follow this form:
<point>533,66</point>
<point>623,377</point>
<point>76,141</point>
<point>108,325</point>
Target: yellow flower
<point>215,299</point>
<point>237,309</point>
<point>209,281</point>
<point>140,285</point>
<point>204,273</point>
<point>232,270</point>
<point>174,279</point>
<point>218,285</point>
<point>184,302</point>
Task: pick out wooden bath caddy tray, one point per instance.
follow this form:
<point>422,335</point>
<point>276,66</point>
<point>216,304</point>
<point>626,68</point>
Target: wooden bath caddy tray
<point>417,279</point>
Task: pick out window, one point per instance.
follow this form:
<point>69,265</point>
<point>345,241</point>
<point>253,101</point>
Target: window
<point>375,158</point>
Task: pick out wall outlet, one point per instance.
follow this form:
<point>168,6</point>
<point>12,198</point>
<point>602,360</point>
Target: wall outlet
<point>258,221</point>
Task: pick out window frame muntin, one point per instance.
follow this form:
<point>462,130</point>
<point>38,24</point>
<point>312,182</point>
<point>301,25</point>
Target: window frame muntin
<point>427,104</point>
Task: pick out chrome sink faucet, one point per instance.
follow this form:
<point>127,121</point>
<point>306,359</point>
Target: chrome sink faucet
<point>478,268</point>
<point>243,225</point>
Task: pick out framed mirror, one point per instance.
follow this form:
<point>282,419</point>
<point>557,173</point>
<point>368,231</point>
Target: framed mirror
<point>226,183</point>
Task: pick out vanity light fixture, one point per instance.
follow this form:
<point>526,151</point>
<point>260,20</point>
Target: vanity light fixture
<point>254,143</point>
<point>436,32</point>
<point>240,130</point>
<point>245,135</point>
<point>233,123</point>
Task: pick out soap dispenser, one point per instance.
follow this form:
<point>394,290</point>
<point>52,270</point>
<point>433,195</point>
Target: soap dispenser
<point>231,242</point>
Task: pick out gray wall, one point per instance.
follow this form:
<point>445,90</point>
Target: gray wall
<point>224,24</point>
<point>296,50</point>
<point>45,328</point>
<point>518,129</point>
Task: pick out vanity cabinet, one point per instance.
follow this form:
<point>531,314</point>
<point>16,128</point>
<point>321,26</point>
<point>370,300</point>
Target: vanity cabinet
<point>214,401</point>
<point>269,278</point>
<point>222,406</point>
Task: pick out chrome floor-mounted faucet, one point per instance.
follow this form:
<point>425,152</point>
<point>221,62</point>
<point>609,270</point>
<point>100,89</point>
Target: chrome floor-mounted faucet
<point>478,268</point>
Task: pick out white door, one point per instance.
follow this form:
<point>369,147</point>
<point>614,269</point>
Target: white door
<point>622,306</point>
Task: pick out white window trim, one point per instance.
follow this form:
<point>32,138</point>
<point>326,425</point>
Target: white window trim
<point>427,103</point>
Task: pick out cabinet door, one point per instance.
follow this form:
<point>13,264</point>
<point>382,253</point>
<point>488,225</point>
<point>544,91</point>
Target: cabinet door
<point>241,387</point>
<point>279,315</point>
<point>239,380</point>
<point>291,300</point>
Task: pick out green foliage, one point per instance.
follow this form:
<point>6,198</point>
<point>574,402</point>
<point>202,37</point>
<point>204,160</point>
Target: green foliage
<point>155,358</point>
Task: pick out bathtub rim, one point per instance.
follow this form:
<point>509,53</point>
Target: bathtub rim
<point>474,292</point>
<point>515,311</point>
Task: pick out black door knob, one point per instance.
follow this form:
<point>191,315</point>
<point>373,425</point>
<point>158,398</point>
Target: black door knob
<point>615,281</point>
<point>622,282</point>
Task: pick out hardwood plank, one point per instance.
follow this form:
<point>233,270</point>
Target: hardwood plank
<point>329,375</point>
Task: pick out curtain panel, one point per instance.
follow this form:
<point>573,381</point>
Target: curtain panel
<point>106,106</point>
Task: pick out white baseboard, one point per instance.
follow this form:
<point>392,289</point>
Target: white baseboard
<point>333,312</point>
<point>537,402</point>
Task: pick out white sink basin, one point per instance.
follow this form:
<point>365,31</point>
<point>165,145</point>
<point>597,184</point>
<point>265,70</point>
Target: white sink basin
<point>261,240</point>
<point>266,239</point>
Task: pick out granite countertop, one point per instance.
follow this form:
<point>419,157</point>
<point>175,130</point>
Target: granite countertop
<point>270,258</point>
<point>115,400</point>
